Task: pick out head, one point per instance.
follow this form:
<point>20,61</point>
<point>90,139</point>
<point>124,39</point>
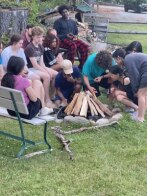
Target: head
<point>37,35</point>
<point>116,72</point>
<point>1,46</point>
<point>51,31</point>
<point>16,41</point>
<point>15,67</point>
<point>104,59</point>
<point>64,11</point>
<point>29,29</point>
<point>50,41</point>
<point>67,67</point>
<point>119,55</point>
<point>134,46</point>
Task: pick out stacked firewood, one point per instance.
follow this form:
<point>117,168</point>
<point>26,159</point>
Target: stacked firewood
<point>85,104</point>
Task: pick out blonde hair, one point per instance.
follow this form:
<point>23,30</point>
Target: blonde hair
<point>37,30</point>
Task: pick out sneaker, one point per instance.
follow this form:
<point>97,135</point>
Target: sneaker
<point>129,110</point>
<point>45,111</point>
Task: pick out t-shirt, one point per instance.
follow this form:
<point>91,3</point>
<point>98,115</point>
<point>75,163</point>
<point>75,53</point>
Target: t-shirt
<point>91,69</point>
<point>49,57</point>
<point>21,84</point>
<point>33,51</point>
<point>8,52</point>
<point>134,64</point>
<point>0,60</point>
<point>64,27</point>
<point>62,83</point>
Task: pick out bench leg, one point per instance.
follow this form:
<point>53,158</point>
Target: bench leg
<point>45,139</point>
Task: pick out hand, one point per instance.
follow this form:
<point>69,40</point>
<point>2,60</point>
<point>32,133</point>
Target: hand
<point>70,36</point>
<point>92,90</point>
<point>98,79</point>
<point>70,79</point>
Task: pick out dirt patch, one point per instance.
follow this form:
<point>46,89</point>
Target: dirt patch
<point>118,14</point>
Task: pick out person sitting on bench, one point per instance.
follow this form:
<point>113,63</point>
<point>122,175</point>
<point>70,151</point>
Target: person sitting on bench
<point>33,92</point>
<point>67,32</point>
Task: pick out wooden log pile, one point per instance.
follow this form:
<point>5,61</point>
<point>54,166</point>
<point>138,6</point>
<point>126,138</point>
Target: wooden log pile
<point>85,104</point>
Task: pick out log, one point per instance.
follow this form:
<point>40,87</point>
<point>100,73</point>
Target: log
<point>84,107</point>
<point>70,107</point>
<point>103,107</point>
<point>98,109</point>
<point>78,104</point>
<point>94,109</point>
<point>90,105</point>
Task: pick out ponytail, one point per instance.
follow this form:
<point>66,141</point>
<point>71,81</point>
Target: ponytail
<point>8,80</point>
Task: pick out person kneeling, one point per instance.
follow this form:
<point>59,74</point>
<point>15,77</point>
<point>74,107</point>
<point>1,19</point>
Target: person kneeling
<point>67,83</point>
<point>33,92</point>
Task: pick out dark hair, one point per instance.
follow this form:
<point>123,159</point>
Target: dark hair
<point>29,26</point>
<point>14,39</point>
<point>14,67</point>
<point>116,69</point>
<point>62,7</point>
<point>120,52</point>
<point>134,46</point>
<point>104,59</point>
<point>48,40</point>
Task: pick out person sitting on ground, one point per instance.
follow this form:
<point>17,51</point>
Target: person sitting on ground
<point>67,32</point>
<point>52,57</point>
<point>121,89</point>
<point>14,48</point>
<point>27,35</point>
<point>34,53</point>
<point>134,46</point>
<point>33,92</point>
<point>1,66</point>
<point>136,65</point>
<point>67,83</point>
<point>95,71</point>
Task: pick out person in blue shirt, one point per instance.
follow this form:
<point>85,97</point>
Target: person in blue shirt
<point>67,83</point>
<point>95,71</point>
<point>1,67</point>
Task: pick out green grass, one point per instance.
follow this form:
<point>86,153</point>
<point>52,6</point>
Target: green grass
<point>107,161</point>
<point>125,39</point>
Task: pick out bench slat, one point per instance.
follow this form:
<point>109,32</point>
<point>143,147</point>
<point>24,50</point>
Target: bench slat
<point>5,93</point>
<point>6,103</point>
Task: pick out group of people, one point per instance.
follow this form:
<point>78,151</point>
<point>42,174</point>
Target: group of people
<point>34,63</point>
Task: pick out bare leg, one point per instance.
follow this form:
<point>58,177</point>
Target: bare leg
<point>39,91</point>
<point>142,92</point>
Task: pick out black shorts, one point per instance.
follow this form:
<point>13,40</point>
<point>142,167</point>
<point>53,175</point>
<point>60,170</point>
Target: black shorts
<point>143,73</point>
<point>33,109</point>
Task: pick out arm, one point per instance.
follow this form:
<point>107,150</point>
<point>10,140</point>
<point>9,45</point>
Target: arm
<point>90,88</point>
<point>1,73</point>
<point>36,65</point>
<point>59,93</point>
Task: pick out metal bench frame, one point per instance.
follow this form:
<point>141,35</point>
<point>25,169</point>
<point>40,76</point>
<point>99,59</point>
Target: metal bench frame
<point>25,142</point>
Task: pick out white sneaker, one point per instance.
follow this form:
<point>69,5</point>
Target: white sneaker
<point>45,111</point>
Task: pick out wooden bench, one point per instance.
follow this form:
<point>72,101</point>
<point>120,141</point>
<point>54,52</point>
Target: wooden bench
<point>14,100</point>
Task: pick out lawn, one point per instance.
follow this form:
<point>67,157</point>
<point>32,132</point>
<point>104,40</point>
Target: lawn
<point>109,161</point>
<point>128,38</point>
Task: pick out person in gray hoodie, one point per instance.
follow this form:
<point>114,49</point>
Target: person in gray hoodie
<point>136,66</point>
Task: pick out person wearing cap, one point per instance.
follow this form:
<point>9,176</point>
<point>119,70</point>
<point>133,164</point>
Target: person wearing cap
<point>67,83</point>
<point>27,35</point>
<point>95,71</point>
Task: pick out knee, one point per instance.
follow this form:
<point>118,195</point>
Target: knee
<point>37,83</point>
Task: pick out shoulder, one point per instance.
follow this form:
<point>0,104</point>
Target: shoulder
<point>58,20</point>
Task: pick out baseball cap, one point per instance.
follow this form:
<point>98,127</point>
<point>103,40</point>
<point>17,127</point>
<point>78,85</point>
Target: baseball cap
<point>67,66</point>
